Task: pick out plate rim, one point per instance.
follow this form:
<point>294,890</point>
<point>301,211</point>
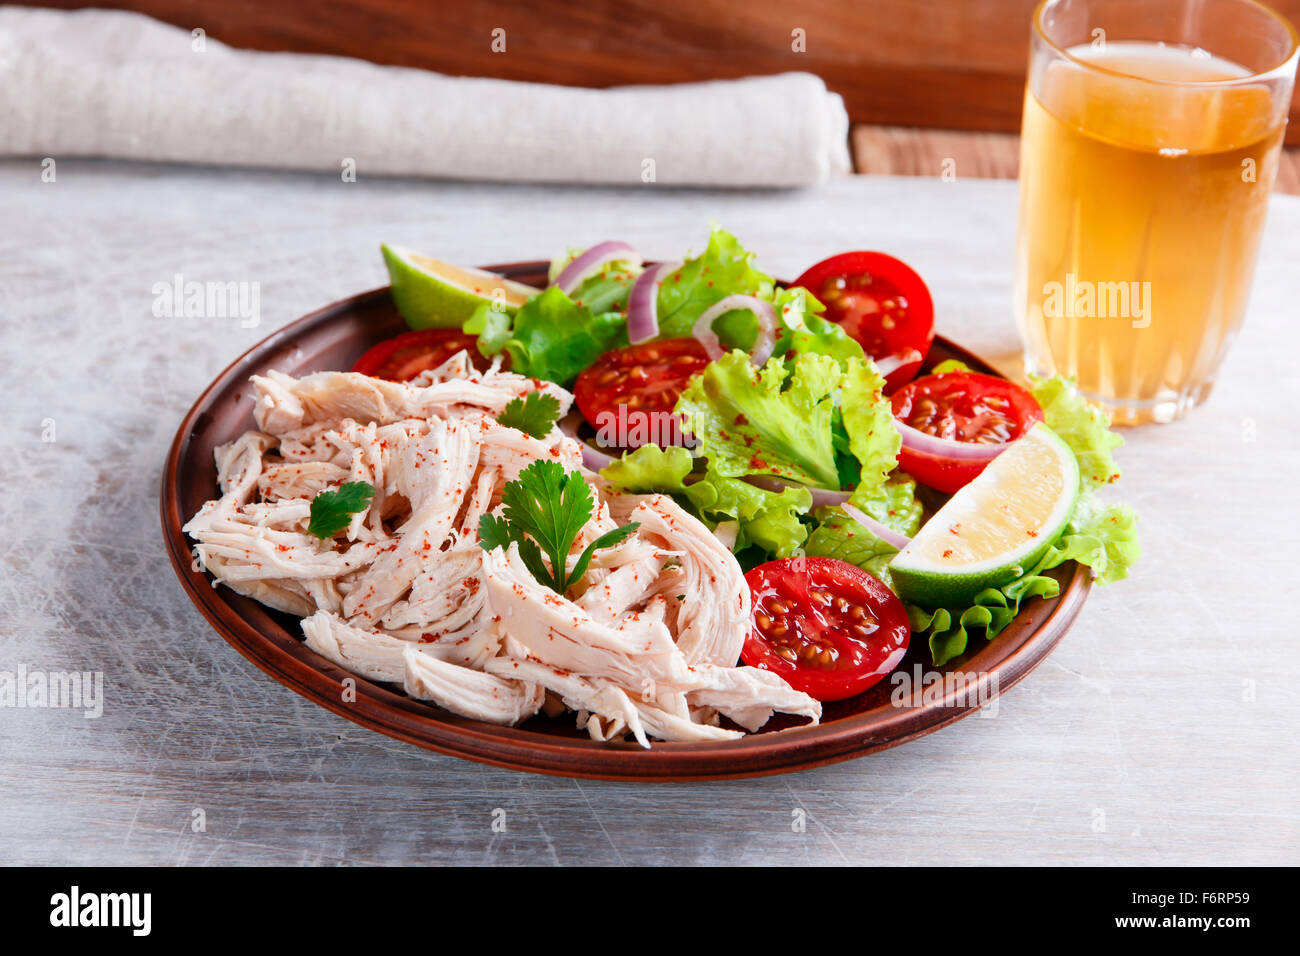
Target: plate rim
<point>380,709</point>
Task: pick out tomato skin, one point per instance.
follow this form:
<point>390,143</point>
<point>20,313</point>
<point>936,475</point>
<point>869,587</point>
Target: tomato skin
<point>405,356</point>
<point>966,405</point>
<point>809,606</point>
<point>646,380</point>
<point>941,474</point>
<point>878,300</point>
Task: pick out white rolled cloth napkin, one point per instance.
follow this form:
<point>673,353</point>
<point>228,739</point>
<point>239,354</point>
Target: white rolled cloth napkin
<point>119,84</point>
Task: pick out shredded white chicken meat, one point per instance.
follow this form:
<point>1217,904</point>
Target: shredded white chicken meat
<point>645,644</point>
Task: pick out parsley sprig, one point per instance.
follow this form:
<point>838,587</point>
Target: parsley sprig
<point>545,508</point>
<point>332,511</point>
<point>534,414</point>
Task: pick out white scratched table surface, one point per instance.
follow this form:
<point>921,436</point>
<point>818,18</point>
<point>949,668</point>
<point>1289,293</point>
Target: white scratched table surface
<point>1162,731</point>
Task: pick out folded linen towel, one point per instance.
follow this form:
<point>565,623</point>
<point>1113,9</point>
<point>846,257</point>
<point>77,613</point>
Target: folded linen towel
<point>113,83</point>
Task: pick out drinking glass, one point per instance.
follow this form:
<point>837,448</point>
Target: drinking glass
<point>1149,146</point>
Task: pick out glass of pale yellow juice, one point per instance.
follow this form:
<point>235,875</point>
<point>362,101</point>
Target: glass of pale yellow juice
<point>1149,147</point>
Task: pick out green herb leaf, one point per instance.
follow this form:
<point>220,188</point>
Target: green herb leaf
<point>535,414</point>
<point>332,511</point>
<point>545,509</point>
<point>495,532</point>
<point>606,540</point>
<point>532,558</point>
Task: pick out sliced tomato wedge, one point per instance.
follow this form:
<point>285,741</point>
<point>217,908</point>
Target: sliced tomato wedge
<point>881,302</point>
<point>639,385</point>
<point>963,407</point>
<point>405,356</point>
<point>827,627</point>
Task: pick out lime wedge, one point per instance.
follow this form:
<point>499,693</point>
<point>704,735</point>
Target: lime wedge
<point>432,294</point>
<point>995,528</point>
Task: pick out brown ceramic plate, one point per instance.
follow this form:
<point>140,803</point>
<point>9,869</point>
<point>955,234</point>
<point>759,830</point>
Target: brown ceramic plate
<point>333,338</point>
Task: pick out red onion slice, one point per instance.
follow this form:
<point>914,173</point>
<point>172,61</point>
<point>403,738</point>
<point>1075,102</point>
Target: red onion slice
<point>591,261</point>
<point>881,531</point>
<point>593,459</point>
<point>727,532</point>
<point>643,303</point>
<point>823,497</point>
<point>766,312</point>
<point>892,363</point>
<point>935,447</point>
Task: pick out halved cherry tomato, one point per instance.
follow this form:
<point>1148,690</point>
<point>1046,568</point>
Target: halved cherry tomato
<point>827,627</point>
<point>405,356</point>
<point>881,302</point>
<point>964,407</point>
<point>646,380</point>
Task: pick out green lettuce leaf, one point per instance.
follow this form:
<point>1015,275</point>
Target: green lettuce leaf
<point>1102,536</point>
<point>724,268</point>
<point>893,504</point>
<point>806,418</point>
<point>767,520</point>
<point>1099,535</point>
<point>551,337</point>
<point>493,327</point>
<point>869,424</point>
<point>650,469</point>
<point>803,330</point>
<point>839,536</point>
<point>1082,425</point>
<point>948,629</point>
<point>768,421</point>
<point>608,289</point>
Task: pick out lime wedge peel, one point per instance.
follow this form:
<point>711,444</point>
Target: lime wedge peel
<point>995,528</point>
<point>431,294</point>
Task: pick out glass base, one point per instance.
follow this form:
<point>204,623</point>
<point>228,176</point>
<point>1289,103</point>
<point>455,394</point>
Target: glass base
<point>1167,406</point>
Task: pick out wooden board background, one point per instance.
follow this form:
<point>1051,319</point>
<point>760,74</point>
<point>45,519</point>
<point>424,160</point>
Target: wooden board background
<point>953,64</point>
